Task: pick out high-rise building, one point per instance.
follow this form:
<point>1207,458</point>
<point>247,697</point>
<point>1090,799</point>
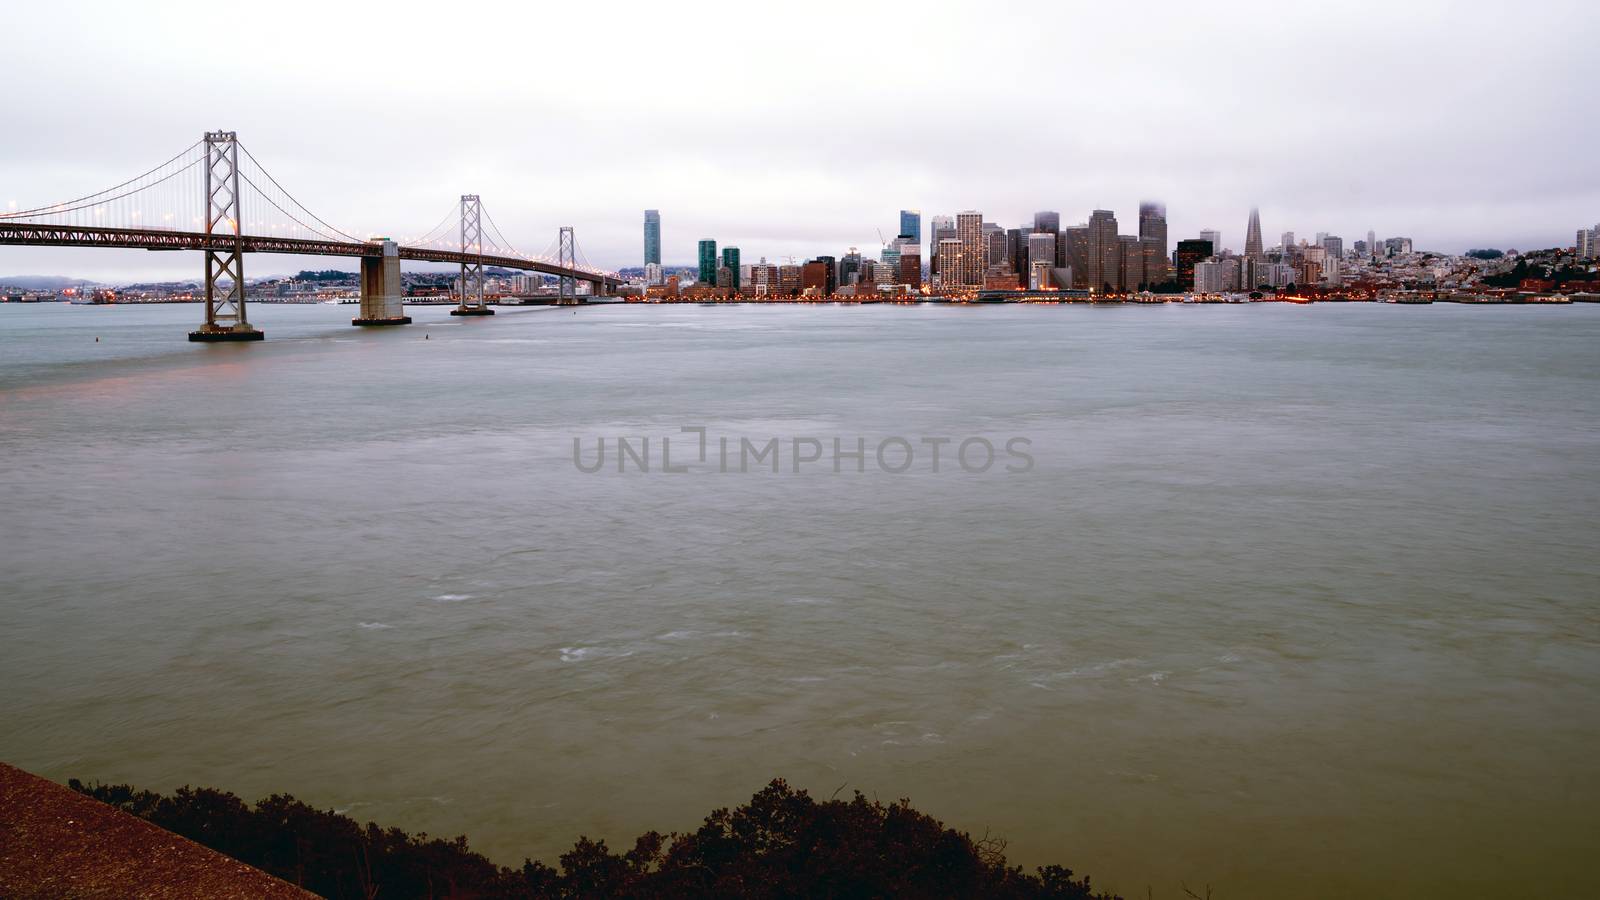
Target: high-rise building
<point>1215,237</point>
<point>849,265</point>
<point>910,264</point>
<point>911,225</point>
<point>789,279</point>
<point>1104,270</point>
<point>1047,221</point>
<point>939,228</point>
<point>652,274</point>
<point>1584,247</point>
<point>708,262</point>
<point>1073,254</point>
<point>974,252</point>
<point>1041,249</point>
<point>831,283</point>
<point>1131,271</point>
<point>994,243</point>
<point>951,263</point>
<point>1288,241</point>
<point>730,261</point>
<point>1153,236</point>
<point>1190,253</point>
<point>1334,245</point>
<point>816,277</point>
<point>652,237</point>
<point>1372,244</point>
<point>1252,236</point>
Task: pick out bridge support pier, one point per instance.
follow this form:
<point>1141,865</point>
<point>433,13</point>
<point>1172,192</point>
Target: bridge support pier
<point>568,294</point>
<point>471,282</point>
<point>382,297</point>
<point>225,318</point>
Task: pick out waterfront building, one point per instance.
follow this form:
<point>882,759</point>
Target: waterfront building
<point>1208,277</point>
<point>708,262</point>
<point>730,261</point>
<point>1190,253</point>
<point>652,237</point>
<point>789,279</point>
<point>726,279</point>
<point>831,282</point>
<point>1104,252</point>
<point>994,243</point>
<point>652,274</point>
<point>1073,254</point>
<point>910,264</point>
<point>1041,251</point>
<point>952,264</point>
<point>969,231</point>
<point>1252,235</point>
<point>817,277</point>
<point>1131,271</point>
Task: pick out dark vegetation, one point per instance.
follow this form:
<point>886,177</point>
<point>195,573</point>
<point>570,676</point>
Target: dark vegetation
<point>325,275</point>
<point>781,844</point>
<point>1558,273</point>
<point>1486,253</point>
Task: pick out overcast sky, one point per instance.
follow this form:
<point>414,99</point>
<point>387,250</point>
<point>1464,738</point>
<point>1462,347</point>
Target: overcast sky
<point>799,129</point>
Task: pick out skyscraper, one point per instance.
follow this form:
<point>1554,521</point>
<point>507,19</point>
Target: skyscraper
<point>1047,222</point>
<point>1252,236</point>
<point>708,262</point>
<point>1153,237</point>
<point>730,261</point>
<point>1072,252</point>
<point>1190,253</point>
<point>1288,241</point>
<point>1334,245</point>
<point>911,225</point>
<point>652,236</point>
<point>1131,276</point>
<point>1041,249</point>
<point>1372,243</point>
<point>939,228</point>
<point>1215,237</point>
<point>994,242</point>
<point>974,250</point>
<point>1104,270</point>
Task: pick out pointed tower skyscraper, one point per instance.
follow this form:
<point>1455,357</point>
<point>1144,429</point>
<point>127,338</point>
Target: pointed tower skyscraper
<point>1252,236</point>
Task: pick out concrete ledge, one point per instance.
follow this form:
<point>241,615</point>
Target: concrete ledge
<point>399,320</point>
<point>227,335</point>
<point>57,843</point>
<point>458,311</point>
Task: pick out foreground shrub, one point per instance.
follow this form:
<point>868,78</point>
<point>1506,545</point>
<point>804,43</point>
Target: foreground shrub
<point>782,844</point>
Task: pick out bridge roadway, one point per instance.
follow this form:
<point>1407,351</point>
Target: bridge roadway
<point>159,239</point>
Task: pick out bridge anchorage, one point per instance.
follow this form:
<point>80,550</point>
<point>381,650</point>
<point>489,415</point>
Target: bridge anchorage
<point>225,313</point>
<point>469,287</point>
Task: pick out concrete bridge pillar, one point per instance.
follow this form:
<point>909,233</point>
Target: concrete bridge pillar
<point>382,297</point>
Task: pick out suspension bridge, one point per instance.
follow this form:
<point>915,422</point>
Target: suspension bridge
<point>215,197</point>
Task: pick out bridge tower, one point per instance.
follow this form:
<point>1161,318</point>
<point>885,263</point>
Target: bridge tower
<point>569,260</point>
<point>225,313</point>
<point>471,285</point>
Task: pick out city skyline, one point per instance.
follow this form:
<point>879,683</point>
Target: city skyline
<point>812,157</point>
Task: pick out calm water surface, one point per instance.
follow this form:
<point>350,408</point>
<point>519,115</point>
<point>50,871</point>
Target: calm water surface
<point>1296,600</point>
